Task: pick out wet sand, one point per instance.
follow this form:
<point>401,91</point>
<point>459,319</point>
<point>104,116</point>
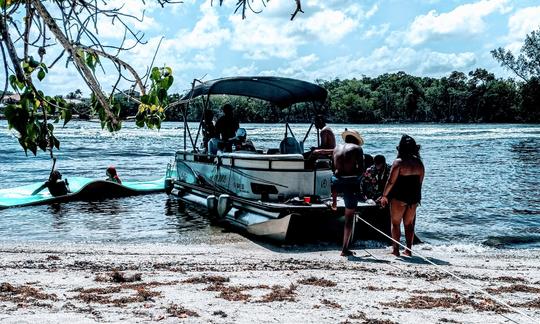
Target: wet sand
<point>235,280</point>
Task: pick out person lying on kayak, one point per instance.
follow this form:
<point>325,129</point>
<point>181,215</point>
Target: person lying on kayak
<point>55,184</point>
<point>112,175</point>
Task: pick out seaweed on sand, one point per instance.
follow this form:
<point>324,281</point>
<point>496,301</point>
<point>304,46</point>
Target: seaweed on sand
<point>207,280</point>
<point>313,281</point>
<point>514,288</point>
<point>118,277</point>
<point>23,294</point>
<point>454,303</point>
<point>535,303</point>
<point>180,311</point>
<point>330,303</point>
<point>101,297</point>
<point>280,293</point>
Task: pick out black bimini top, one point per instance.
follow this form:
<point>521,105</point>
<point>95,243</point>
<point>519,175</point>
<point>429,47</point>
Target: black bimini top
<point>280,91</point>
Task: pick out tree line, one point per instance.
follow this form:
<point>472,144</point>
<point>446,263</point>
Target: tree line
<point>476,97</point>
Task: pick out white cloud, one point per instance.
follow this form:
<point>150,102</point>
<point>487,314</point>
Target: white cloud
<point>272,34</point>
<point>207,32</point>
<point>376,31</point>
<point>442,63</point>
<point>387,60</point>
<point>521,23</point>
<point>467,19</point>
<point>240,70</point>
<point>330,26</point>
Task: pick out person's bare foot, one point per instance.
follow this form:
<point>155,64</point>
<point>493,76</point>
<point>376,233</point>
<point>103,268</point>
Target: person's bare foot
<point>407,253</point>
<point>347,253</point>
<point>395,252</point>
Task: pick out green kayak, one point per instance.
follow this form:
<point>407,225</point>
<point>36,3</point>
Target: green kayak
<point>81,189</point>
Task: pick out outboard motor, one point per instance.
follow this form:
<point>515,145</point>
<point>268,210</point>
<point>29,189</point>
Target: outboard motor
<point>224,205</point>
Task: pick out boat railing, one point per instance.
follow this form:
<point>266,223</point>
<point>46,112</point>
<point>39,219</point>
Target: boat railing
<point>275,161</point>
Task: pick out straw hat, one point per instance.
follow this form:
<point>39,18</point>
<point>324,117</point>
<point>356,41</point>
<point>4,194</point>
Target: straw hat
<point>354,134</point>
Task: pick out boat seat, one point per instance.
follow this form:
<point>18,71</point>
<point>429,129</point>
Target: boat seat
<point>272,151</point>
<point>289,145</point>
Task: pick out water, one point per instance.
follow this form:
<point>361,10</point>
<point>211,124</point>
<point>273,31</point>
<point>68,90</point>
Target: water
<point>481,185</point>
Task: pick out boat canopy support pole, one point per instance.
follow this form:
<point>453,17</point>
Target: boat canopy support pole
<point>206,103</point>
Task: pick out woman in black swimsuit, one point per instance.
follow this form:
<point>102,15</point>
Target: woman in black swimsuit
<point>403,191</point>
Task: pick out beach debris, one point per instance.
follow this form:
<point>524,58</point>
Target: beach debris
<point>280,293</point>
<point>232,293</point>
<point>514,288</point>
<point>179,311</point>
<point>23,294</point>
<point>447,320</point>
<point>329,303</point>
<point>535,303</point>
<point>207,280</point>
<point>454,303</point>
<point>117,276</point>
<point>371,321</point>
<point>358,316</point>
<point>511,279</point>
<point>98,297</point>
<point>313,281</point>
<point>220,313</point>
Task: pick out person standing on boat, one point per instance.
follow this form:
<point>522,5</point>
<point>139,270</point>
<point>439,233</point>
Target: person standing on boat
<point>226,126</point>
<point>403,191</point>
<point>208,129</point>
<point>349,167</point>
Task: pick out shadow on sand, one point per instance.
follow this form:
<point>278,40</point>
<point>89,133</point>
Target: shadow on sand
<point>418,260</point>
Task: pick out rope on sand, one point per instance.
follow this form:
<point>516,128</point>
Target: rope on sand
<point>478,289</point>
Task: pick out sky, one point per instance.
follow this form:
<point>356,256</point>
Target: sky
<point>331,39</point>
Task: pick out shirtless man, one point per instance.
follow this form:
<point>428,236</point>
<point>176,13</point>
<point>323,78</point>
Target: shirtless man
<point>328,139</point>
<point>349,166</point>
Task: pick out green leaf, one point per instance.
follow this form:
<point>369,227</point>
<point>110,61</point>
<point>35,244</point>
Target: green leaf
<point>66,116</point>
<point>145,99</point>
<point>41,75</point>
<point>155,75</point>
<point>43,66</point>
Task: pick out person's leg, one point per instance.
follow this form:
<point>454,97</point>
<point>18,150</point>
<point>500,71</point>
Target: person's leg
<point>397,209</point>
<point>347,231</point>
<point>408,222</point>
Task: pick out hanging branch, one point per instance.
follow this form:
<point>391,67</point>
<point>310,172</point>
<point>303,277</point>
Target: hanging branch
<point>34,26</point>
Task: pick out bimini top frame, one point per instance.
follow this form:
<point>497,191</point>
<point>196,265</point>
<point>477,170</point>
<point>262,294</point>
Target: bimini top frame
<point>282,92</point>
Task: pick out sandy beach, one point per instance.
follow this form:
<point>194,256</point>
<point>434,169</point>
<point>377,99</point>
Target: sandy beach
<point>236,280</point>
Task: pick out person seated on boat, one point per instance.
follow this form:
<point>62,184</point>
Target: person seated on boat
<point>112,175</point>
<point>327,140</point>
<point>241,143</point>
<point>368,161</point>
<point>208,129</point>
<point>55,184</point>
<point>375,178</point>
<point>349,167</point>
<point>226,126</point>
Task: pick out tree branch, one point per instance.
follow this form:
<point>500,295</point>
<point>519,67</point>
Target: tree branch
<point>81,66</point>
